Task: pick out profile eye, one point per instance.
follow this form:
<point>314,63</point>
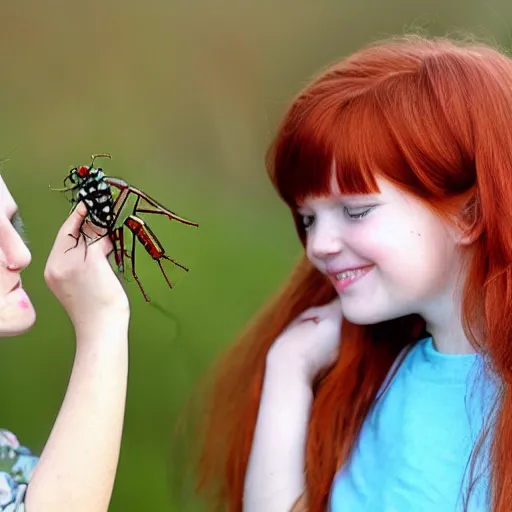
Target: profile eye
<point>307,221</point>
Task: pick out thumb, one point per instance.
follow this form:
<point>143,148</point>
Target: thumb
<point>76,219</point>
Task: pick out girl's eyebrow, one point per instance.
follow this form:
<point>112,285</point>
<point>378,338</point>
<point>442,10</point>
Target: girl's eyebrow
<point>360,197</point>
<point>364,198</point>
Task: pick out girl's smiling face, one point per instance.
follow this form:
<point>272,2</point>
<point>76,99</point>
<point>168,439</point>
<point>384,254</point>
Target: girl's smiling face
<point>386,254</point>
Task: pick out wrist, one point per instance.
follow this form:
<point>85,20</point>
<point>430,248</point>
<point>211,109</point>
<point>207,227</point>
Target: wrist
<point>287,379</point>
<point>112,328</point>
<point>288,369</point>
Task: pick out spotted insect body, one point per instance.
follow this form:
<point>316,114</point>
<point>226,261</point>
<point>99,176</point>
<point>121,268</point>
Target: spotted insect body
<point>95,193</point>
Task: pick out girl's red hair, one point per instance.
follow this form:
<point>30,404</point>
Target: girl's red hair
<point>435,118</point>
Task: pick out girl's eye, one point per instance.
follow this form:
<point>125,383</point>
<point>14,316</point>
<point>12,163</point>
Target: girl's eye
<point>17,224</point>
<point>358,213</point>
<point>306,220</point>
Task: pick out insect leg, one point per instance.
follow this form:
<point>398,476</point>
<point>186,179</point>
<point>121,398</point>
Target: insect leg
<point>168,258</point>
<point>119,204</point>
<point>117,238</point>
<point>150,236</point>
<point>123,185</point>
<point>171,217</point>
<point>84,235</point>
<point>134,272</point>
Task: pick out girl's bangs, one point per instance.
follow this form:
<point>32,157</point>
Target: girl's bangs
<point>350,143</point>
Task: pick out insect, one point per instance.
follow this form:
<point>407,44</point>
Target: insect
<point>106,210</point>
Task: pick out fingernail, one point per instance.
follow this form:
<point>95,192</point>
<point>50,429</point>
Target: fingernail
<point>315,319</point>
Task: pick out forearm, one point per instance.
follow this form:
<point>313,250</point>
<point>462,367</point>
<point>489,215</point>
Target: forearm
<point>77,468</point>
<point>275,474</point>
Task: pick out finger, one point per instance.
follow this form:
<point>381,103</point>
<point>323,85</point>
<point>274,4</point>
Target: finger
<point>310,314</point>
<point>106,246</point>
<point>317,314</point>
<point>310,318</point>
<point>75,220</point>
<point>101,244</point>
<point>92,230</point>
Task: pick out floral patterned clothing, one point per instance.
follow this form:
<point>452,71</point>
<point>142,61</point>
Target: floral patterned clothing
<point>16,466</point>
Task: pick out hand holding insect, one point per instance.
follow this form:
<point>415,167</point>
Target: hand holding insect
<point>90,186</point>
<point>88,289</point>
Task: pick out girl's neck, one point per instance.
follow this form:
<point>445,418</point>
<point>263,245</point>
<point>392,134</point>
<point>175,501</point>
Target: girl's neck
<point>450,342</point>
<point>444,323</point>
<point>447,332</point>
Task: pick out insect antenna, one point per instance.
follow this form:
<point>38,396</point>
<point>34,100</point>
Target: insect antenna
<point>65,189</point>
<point>99,155</point>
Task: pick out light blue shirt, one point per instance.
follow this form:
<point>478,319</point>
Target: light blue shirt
<point>414,448</point>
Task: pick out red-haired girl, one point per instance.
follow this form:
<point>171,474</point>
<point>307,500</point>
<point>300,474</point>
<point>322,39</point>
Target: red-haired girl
<point>380,378</point>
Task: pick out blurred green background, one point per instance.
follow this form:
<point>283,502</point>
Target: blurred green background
<point>185,96</point>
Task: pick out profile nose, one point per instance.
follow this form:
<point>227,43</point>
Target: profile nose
<point>325,242</point>
<point>16,255</point>
<point>20,258</point>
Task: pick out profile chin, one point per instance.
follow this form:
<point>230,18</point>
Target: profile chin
<point>19,325</point>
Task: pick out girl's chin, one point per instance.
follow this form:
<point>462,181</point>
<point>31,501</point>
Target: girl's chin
<point>15,328</point>
<point>17,314</point>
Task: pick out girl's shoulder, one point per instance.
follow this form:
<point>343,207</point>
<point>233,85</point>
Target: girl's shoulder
<point>16,466</point>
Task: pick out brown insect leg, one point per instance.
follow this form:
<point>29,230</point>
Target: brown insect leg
<point>134,273</point>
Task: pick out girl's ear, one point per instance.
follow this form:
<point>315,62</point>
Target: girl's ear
<point>468,226</point>
<point>465,238</point>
